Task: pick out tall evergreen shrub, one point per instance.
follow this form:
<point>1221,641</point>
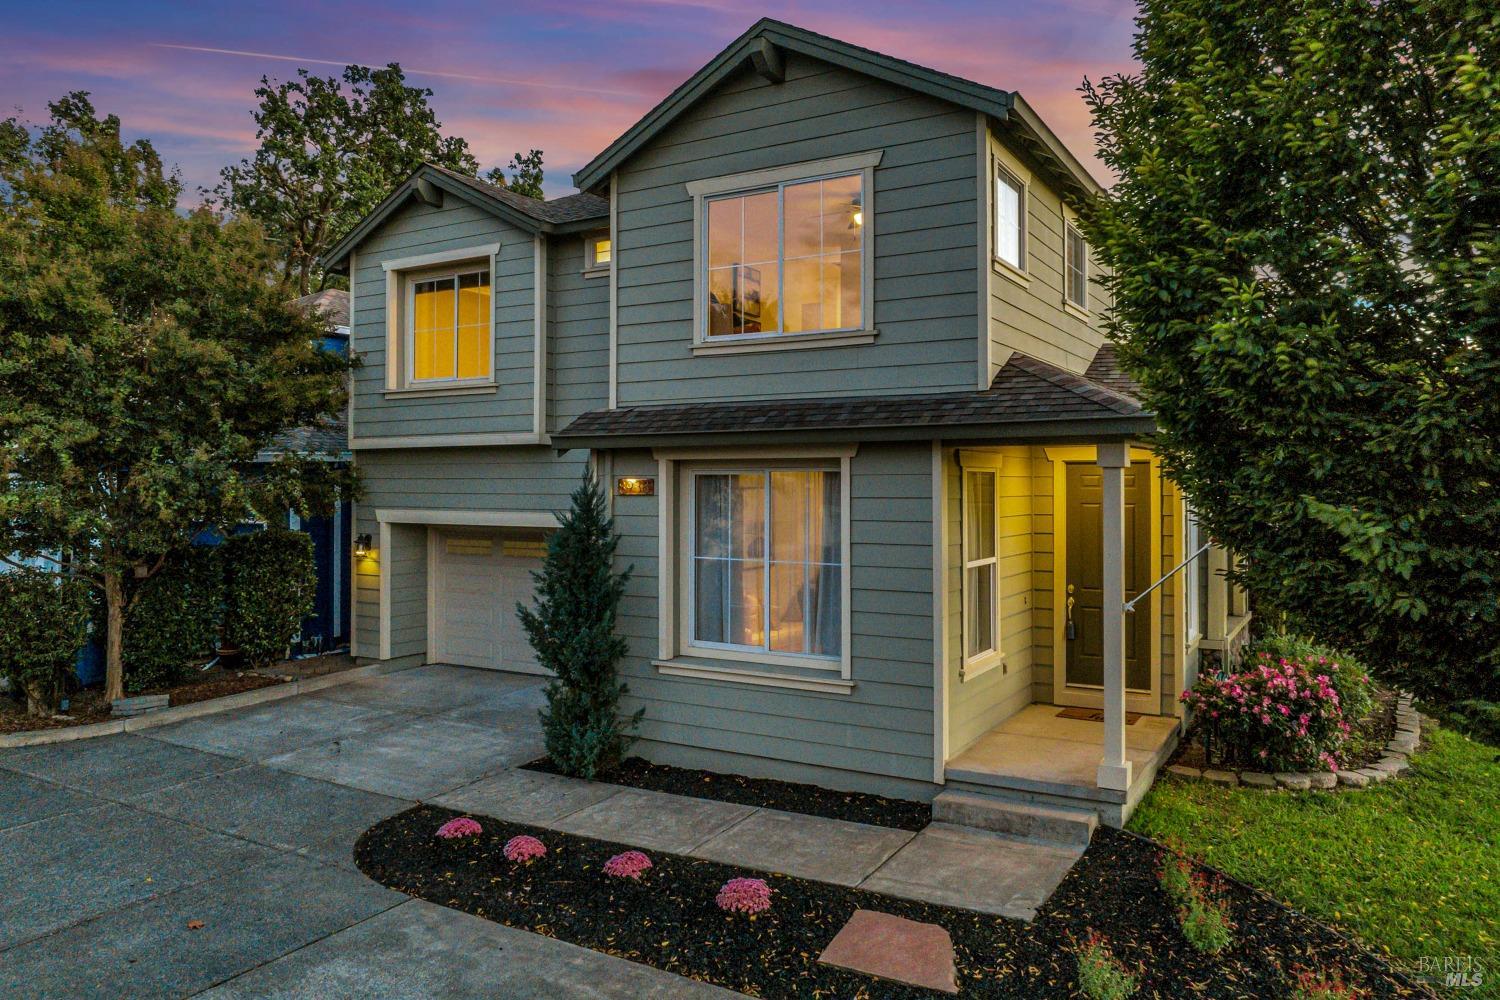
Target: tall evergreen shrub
<point>572,629</point>
<point>44,619</point>
<point>270,587</point>
<point>173,619</point>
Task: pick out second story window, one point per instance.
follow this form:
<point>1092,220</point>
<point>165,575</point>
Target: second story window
<point>449,319</point>
<point>1075,267</point>
<point>788,259</point>
<point>599,254</point>
<point>1010,219</point>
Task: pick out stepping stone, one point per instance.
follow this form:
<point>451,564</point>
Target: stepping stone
<point>1258,779</point>
<point>1323,779</point>
<point>1353,779</point>
<point>1221,777</point>
<point>1183,771</point>
<point>1295,780</point>
<point>894,948</point>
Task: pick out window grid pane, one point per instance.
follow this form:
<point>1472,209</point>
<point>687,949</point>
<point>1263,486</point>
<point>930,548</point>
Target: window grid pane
<point>1009,204</point>
<point>981,563</point>
<point>450,327</point>
<point>788,260</point>
<point>1077,268</point>
<point>767,561</point>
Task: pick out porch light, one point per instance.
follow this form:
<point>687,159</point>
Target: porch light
<point>362,545</point>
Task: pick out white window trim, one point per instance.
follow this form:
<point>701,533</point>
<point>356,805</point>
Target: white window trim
<point>1070,225</point>
<point>985,660</point>
<point>676,648</point>
<point>1002,160</point>
<point>707,189</point>
<point>399,272</point>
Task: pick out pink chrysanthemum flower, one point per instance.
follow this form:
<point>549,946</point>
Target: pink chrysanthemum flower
<point>744,895</point>
<point>524,848</point>
<point>462,826</point>
<point>631,864</point>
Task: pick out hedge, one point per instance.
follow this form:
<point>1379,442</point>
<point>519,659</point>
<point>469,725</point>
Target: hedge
<point>270,587</point>
<point>44,619</point>
<point>174,619</point>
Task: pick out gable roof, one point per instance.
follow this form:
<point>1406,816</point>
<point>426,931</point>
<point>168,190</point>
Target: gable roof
<point>331,303</point>
<point>1006,107</point>
<point>1028,398</point>
<point>566,214</point>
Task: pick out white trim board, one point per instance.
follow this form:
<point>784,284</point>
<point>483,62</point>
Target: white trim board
<point>449,440</point>
<point>467,518</point>
<point>441,257</point>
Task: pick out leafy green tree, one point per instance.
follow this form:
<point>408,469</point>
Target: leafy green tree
<point>572,629</point>
<point>1302,247</point>
<point>525,175</point>
<point>328,156</point>
<point>146,356</point>
<point>44,619</point>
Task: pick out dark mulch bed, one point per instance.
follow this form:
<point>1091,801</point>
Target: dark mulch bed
<point>88,705</point>
<point>1367,745</point>
<point>788,796</point>
<point>669,920</point>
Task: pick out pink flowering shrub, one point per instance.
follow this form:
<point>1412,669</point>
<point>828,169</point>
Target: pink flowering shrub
<point>1272,715</point>
<point>744,895</point>
<point>524,848</point>
<point>631,864</point>
<point>462,826</point>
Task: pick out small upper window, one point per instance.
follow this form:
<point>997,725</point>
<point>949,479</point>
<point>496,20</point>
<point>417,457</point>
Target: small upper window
<point>449,320</point>
<point>1010,219</point>
<point>789,259</point>
<point>1076,266</point>
<point>599,251</point>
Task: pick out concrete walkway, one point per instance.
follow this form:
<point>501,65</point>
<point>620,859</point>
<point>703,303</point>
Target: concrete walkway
<point>116,848</point>
<point>951,865</point>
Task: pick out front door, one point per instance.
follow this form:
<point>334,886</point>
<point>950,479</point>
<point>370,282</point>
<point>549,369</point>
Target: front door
<point>1083,646</point>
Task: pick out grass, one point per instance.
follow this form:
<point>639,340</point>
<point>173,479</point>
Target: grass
<point>1411,867</point>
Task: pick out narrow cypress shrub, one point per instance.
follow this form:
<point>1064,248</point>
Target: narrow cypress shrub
<point>270,587</point>
<point>572,629</point>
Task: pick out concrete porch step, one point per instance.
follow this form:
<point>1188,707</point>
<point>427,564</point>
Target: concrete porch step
<point>1047,824</point>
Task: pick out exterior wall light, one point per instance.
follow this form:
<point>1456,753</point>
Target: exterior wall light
<point>362,545</point>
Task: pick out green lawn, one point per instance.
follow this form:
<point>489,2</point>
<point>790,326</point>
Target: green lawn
<point>1410,867</point>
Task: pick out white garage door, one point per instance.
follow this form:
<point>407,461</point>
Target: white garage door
<point>477,580</point>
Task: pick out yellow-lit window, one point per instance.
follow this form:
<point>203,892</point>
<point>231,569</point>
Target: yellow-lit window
<point>787,260</point>
<point>450,327</point>
<point>599,251</point>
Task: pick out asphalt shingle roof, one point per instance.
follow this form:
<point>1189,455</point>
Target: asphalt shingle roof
<point>1105,369</point>
<point>1025,390</point>
<point>331,303</point>
<point>569,208</point>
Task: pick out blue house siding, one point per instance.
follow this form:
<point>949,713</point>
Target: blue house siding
<point>925,204</point>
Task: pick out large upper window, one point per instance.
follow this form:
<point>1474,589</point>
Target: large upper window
<point>449,322</point>
<point>767,568</point>
<point>1010,219</point>
<point>1075,266</point>
<point>981,584</point>
<point>787,259</point>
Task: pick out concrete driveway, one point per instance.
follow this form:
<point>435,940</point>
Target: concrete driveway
<point>112,851</point>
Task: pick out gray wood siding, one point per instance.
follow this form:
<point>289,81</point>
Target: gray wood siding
<point>925,280</point>
<point>578,348</point>
<point>884,728</point>
<point>1030,317</point>
<point>421,229</point>
<point>464,479</point>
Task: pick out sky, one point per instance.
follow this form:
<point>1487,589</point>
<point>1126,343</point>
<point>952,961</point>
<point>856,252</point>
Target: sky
<point>566,79</point>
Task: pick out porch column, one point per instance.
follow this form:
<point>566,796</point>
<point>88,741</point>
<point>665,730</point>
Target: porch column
<point>1114,768</point>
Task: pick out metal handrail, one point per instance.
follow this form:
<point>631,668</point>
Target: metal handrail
<point>1130,604</point>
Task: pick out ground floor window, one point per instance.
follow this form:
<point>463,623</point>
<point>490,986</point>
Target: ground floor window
<point>766,561</point>
<point>981,585</point>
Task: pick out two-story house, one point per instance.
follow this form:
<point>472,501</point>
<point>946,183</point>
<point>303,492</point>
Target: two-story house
<point>823,323</point>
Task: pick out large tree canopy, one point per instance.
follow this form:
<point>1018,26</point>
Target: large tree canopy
<point>146,356</point>
<point>327,157</point>
<point>1303,247</point>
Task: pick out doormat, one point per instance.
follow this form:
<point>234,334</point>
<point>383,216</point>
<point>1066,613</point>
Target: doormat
<point>1094,715</point>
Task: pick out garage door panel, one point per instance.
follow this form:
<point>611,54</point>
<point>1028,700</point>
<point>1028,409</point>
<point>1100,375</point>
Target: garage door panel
<point>476,587</point>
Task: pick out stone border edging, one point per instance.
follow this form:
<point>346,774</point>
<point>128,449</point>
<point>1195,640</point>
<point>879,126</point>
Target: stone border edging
<point>1398,751</point>
<point>211,706</point>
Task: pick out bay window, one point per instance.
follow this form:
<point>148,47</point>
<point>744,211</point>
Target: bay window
<point>766,555</point>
